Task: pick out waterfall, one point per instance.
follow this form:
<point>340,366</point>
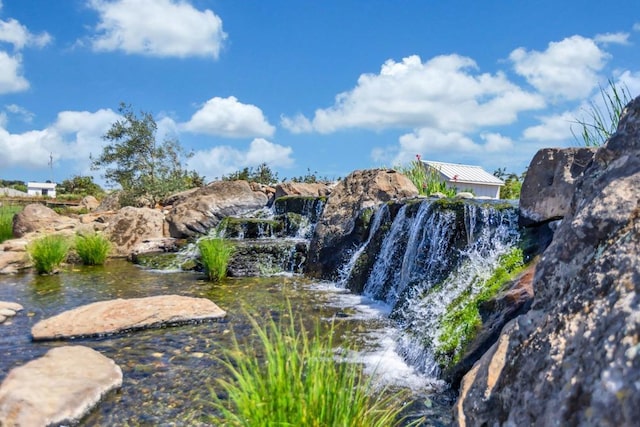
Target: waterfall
<point>433,253</point>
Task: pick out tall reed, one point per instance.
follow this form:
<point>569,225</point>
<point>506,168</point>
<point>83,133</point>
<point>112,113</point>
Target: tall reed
<point>48,253</point>
<point>294,380</point>
<point>426,179</point>
<point>215,254</point>
<point>6,221</point>
<point>92,249</point>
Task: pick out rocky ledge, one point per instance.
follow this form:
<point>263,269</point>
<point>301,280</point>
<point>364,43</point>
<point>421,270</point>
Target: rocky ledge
<point>120,315</point>
<point>60,387</point>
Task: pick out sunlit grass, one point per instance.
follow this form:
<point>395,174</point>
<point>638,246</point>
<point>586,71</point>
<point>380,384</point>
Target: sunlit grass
<point>6,221</point>
<point>293,379</point>
<point>427,180</point>
<point>48,253</point>
<point>92,249</point>
<point>215,254</point>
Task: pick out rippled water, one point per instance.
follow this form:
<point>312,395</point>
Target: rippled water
<point>170,373</point>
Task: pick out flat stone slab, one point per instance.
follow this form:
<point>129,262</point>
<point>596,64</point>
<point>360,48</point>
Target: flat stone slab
<point>60,387</point>
<point>122,315</point>
<point>8,310</point>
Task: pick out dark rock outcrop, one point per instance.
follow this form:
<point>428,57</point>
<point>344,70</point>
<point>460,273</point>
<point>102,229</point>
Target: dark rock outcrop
<point>574,358</point>
<point>58,388</point>
<point>342,224</point>
<point>195,212</point>
<point>550,183</point>
<point>120,315</point>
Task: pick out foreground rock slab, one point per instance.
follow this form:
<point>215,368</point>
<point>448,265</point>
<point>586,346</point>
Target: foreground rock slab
<point>60,387</point>
<point>8,309</point>
<point>121,315</point>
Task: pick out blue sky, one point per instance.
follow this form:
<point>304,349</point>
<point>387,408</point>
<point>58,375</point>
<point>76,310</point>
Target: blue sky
<point>330,86</point>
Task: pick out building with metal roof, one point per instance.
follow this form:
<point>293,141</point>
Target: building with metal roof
<point>469,178</point>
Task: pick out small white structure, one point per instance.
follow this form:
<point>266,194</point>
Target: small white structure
<point>468,178</point>
<point>46,189</point>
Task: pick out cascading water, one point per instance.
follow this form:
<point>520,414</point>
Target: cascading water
<point>432,254</point>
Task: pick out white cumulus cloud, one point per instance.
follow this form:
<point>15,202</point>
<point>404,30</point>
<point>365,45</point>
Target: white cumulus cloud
<point>612,38</point>
<point>11,78</point>
<point>567,69</point>
<point>223,160</point>
<point>553,128</point>
<point>229,118</point>
<point>161,28</point>
<point>446,93</point>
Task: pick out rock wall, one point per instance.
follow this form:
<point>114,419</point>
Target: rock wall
<point>574,358</point>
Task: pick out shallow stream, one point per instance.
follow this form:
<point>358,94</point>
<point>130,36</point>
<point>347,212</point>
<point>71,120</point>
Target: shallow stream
<point>170,373</point>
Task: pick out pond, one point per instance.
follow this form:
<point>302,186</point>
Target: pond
<point>170,373</point>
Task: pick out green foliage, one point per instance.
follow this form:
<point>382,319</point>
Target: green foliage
<point>294,380</point>
<point>80,186</point>
<point>599,125</point>
<point>262,175</point>
<point>92,249</point>
<point>215,254</point>
<point>6,221</point>
<point>426,179</point>
<point>512,183</point>
<point>144,168</point>
<point>16,185</point>
<point>462,321</point>
<point>48,253</point>
<point>310,178</point>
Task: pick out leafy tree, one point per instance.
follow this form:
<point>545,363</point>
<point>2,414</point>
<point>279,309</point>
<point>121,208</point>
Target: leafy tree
<point>80,185</point>
<point>143,167</point>
<point>262,174</point>
<point>16,185</point>
<point>310,178</point>
<point>512,183</point>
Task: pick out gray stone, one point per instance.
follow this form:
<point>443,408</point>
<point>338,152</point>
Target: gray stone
<point>340,227</point>
<point>197,211</point>
<point>574,358</point>
<point>121,315</point>
<point>550,183</point>
<point>60,387</point>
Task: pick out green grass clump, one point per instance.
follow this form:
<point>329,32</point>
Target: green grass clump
<point>6,221</point>
<point>462,321</point>
<point>215,254</point>
<point>295,380</point>
<point>48,253</point>
<point>426,179</point>
<point>92,249</point>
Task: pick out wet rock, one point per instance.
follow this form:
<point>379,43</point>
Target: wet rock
<point>550,183</point>
<point>130,227</point>
<point>252,258</point>
<point>58,388</point>
<point>204,208</point>
<point>37,217</point>
<point>574,358</point>
<point>338,231</point>
<point>8,310</point>
<point>120,315</point>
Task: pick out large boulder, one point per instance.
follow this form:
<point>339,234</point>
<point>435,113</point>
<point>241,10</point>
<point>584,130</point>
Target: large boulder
<point>344,221</point>
<point>550,183</point>
<point>574,358</point>
<point>38,217</point>
<point>313,189</point>
<point>204,208</point>
<point>121,315</point>
<point>131,227</point>
<point>58,388</point>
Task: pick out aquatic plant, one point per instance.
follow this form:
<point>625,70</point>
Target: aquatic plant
<point>6,221</point>
<point>462,321</point>
<point>215,254</point>
<point>294,380</point>
<point>48,252</point>
<point>92,249</point>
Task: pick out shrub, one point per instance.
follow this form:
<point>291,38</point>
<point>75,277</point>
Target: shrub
<point>6,221</point>
<point>215,254</point>
<point>426,180</point>
<point>296,381</point>
<point>92,248</point>
<point>48,253</point>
